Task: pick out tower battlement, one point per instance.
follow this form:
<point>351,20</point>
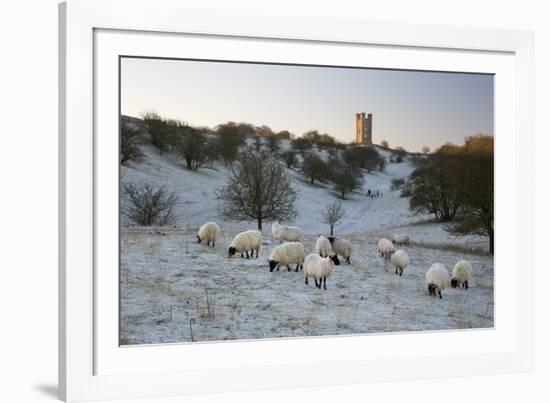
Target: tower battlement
<point>363,129</point>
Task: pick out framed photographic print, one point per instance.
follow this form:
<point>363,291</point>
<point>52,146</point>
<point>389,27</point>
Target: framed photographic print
<point>329,200</point>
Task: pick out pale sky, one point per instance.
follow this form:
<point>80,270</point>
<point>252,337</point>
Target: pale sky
<point>410,108</point>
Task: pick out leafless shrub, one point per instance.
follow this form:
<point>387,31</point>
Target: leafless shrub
<point>149,205</point>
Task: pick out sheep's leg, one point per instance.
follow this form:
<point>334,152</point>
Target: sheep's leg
<point>466,284</point>
<point>400,271</point>
<point>324,283</point>
<point>306,281</point>
<point>247,255</point>
<point>213,243</point>
<point>297,267</point>
<point>440,296</point>
<point>288,267</point>
<point>242,255</point>
<point>347,259</point>
<point>396,270</point>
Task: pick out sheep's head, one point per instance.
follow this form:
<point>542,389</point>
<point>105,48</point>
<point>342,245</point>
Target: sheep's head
<point>432,289</point>
<point>454,282</point>
<point>331,239</point>
<point>272,265</point>
<point>199,240</point>
<point>335,259</point>
<point>231,251</point>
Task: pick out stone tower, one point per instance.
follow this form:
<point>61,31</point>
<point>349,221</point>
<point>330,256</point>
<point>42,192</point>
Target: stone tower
<point>363,129</point>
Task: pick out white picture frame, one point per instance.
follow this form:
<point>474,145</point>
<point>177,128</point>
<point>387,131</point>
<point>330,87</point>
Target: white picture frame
<point>92,366</point>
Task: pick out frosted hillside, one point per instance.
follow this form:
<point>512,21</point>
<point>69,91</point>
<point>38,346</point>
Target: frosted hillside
<point>197,203</point>
<point>175,290</point>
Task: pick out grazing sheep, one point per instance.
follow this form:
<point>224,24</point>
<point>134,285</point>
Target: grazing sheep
<point>208,232</point>
<point>320,268</point>
<point>401,239</point>
<point>283,233</point>
<point>385,248</point>
<point>342,247</point>
<point>323,247</point>
<point>286,254</point>
<point>400,260</point>
<point>462,272</point>
<point>437,278</point>
<point>245,241</point>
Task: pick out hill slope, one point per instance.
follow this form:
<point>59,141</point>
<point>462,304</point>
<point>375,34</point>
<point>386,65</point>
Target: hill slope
<point>176,290</point>
<point>197,202</point>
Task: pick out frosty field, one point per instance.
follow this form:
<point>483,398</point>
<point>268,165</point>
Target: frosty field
<point>176,290</point>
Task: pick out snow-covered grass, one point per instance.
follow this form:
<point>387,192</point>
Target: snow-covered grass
<point>166,275</point>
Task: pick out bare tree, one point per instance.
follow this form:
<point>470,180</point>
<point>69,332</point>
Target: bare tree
<point>149,206</point>
<point>289,157</point>
<point>130,141</point>
<point>435,186</point>
<point>400,153</point>
<point>314,168</point>
<point>230,138</point>
<point>158,130</point>
<point>301,145</point>
<point>194,148</point>
<point>333,215</point>
<point>476,214</point>
<point>385,144</point>
<point>346,179</point>
<point>426,150</point>
<point>258,189</point>
<point>273,143</point>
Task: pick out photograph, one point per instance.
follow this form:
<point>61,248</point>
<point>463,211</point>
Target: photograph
<point>265,200</point>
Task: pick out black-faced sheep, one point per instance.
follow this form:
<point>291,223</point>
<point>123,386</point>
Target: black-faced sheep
<point>243,242</point>
<point>286,254</point>
<point>323,246</point>
<point>462,272</point>
<point>399,260</point>
<point>342,247</point>
<point>385,248</point>
<point>320,268</point>
<point>208,232</point>
<point>437,278</point>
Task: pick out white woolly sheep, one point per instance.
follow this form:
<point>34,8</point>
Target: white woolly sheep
<point>243,242</point>
<point>283,233</point>
<point>323,246</point>
<point>400,260</point>
<point>320,268</point>
<point>437,278</point>
<point>462,272</point>
<point>401,239</point>
<point>342,247</point>
<point>208,232</point>
<point>286,254</point>
<point>385,248</point>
